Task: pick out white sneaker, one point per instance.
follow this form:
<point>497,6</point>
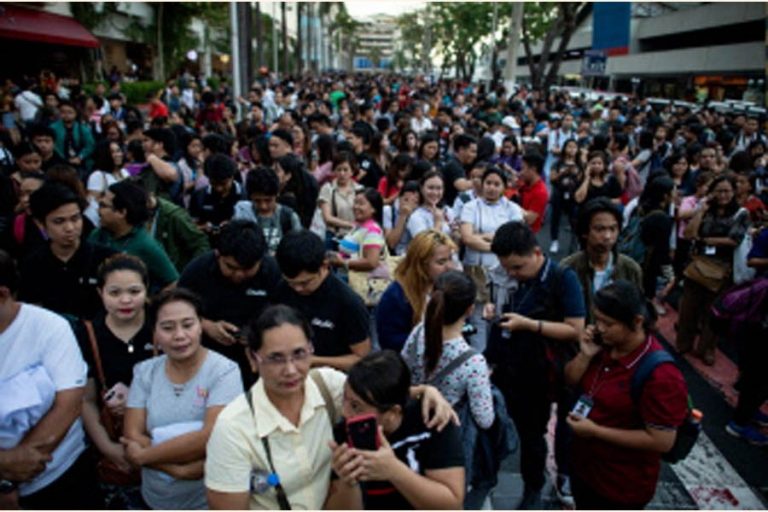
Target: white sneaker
<point>554,247</point>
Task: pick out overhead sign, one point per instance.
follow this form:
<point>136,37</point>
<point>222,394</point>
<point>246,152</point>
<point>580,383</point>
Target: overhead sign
<point>611,27</point>
<point>593,63</point>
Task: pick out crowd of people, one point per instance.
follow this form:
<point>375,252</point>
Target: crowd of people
<point>206,299</point>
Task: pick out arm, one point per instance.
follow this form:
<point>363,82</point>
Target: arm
<point>692,229</point>
<point>227,500</point>
<point>719,241</point>
<point>576,367</point>
<point>581,193</point>
<point>344,363</point>
<point>185,448</point>
<point>343,496</point>
<point>472,240</point>
<point>649,438</point>
<point>394,235</point>
<point>97,432</point>
<point>163,169</point>
<point>369,261</point>
<point>330,220</point>
<point>56,423</point>
<point>568,330</point>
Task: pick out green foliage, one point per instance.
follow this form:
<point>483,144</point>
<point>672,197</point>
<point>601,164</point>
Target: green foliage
<point>88,16</point>
<point>135,92</point>
<point>458,27</point>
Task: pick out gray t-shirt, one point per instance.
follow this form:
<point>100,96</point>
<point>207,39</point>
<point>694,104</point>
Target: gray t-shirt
<point>216,383</point>
<point>270,226</point>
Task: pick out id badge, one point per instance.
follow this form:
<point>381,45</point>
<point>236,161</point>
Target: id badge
<point>583,406</point>
<point>710,250</point>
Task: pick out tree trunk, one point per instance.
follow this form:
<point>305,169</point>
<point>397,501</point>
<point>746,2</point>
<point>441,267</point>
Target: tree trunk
<point>259,37</point>
<point>284,23</point>
<point>569,22</point>
<point>160,49</point>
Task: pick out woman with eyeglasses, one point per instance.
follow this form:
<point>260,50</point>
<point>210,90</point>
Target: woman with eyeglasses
<point>173,403</point>
<point>269,448</point>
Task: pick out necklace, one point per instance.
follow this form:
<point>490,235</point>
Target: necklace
<point>178,389</point>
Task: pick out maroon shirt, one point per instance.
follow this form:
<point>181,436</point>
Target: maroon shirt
<point>627,475</point>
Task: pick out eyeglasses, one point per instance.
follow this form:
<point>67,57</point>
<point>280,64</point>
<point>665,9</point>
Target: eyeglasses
<point>298,356</point>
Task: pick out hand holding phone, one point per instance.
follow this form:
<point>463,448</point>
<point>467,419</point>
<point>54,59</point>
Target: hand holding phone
<point>116,396</point>
<point>363,432</point>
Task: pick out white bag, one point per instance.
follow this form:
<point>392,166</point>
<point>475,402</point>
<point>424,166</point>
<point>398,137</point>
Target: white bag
<point>741,272</point>
<point>317,226</point>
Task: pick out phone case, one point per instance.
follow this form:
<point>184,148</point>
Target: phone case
<point>362,432</point>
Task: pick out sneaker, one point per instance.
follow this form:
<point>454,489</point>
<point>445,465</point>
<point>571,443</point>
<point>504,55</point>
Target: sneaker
<point>554,247</point>
<point>563,490</point>
<point>761,418</point>
<point>747,433</point>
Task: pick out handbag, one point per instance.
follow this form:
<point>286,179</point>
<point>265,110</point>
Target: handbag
<point>108,471</point>
<point>710,273</point>
<point>370,286</point>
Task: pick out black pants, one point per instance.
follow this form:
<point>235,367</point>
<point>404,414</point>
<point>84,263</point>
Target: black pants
<point>559,206</point>
<point>753,355</point>
<point>77,489</point>
<point>587,499</point>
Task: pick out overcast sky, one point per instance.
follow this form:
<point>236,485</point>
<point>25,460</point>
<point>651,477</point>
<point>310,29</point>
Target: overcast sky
<point>364,8</point>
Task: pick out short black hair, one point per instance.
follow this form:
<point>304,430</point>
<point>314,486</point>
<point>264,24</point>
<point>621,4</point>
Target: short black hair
<point>244,241</point>
<point>535,160</point>
<point>132,199</point>
<point>163,135</point>
<point>283,135</point>
<point>514,237</point>
<point>362,132</point>
<point>216,143</point>
<point>377,203</point>
<point>122,261</point>
<point>463,141</point>
<point>219,167</point>
<point>381,379</point>
<point>51,196</point>
<point>41,130</point>
<point>589,210</point>
<point>175,295</point>
<point>9,273</point>
<point>262,180</point>
<point>272,317</point>
<point>300,251</point>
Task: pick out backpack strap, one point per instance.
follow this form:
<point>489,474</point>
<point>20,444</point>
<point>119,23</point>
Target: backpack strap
<point>96,354</point>
<point>452,366</point>
<point>330,406</point>
<point>645,368</point>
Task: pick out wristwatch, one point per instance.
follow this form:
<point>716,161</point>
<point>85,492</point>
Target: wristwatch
<point>6,486</point>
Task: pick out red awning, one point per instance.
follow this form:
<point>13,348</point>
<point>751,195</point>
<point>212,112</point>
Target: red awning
<point>43,27</point>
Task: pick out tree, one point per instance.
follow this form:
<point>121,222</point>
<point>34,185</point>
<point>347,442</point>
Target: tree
<point>457,28</point>
<point>547,22</point>
<point>412,36</point>
<point>346,29</point>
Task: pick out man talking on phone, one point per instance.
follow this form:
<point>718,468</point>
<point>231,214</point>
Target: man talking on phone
<point>540,312</point>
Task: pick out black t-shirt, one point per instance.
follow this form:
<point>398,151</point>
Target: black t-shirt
<point>117,357</point>
<point>64,287</point>
<point>420,448</point>
<point>610,189</point>
<point>206,206</point>
<point>452,170</point>
<point>337,315</point>
<point>373,172</point>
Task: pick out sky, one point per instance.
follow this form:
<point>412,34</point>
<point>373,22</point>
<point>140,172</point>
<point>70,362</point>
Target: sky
<point>365,8</point>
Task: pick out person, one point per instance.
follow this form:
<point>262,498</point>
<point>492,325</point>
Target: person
<point>173,228</point>
<point>456,167</point>
<point>43,459</point>
<point>414,466</point>
<point>123,212</point>
<point>190,165</point>
<point>25,235</point>
<point>753,380</point>
<point>298,188</point>
<point>655,233</point>
<point>431,213</point>
<point>173,404</point>
<point>122,337</point>
<point>160,174</point>
<point>618,442</point>
<point>108,159</point>
<point>62,275</point>
<point>598,263</point>
<point>564,179</point>
<point>717,229</point>
<point>236,282</point>
<point>361,248</point>
<point>275,220</point>
<point>213,206</point>
<point>397,173</point>
<point>437,341</point>
<point>280,144</point>
<point>337,197</point>
<point>597,181</point>
<point>533,192</point>
<point>395,217</point>
<point>42,137</point>
<point>335,312</point>
<point>403,303</point>
<point>360,138</point>
<point>74,140</point>
<point>541,311</point>
<point>688,207</point>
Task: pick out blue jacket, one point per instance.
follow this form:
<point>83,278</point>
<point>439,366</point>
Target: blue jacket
<point>82,136</point>
<point>393,318</point>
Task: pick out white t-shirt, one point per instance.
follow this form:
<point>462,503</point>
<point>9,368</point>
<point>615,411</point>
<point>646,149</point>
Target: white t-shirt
<point>38,337</point>
<point>486,218</point>
<point>390,220</point>
<point>422,219</point>
<point>28,104</point>
<point>421,126</point>
<point>100,181</point>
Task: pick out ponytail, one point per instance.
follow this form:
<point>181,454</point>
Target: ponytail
<point>433,330</point>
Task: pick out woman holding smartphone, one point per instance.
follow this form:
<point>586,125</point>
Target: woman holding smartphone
<point>121,338</point>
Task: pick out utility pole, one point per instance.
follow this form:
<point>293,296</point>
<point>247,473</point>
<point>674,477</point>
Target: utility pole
<point>493,45</point>
<point>285,39</point>
<point>428,42</point>
<point>259,37</point>
<point>510,73</point>
<point>235,42</point>
<point>275,60</point>
<point>245,43</point>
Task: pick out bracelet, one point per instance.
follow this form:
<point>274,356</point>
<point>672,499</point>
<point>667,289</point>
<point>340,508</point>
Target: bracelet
<point>538,331</point>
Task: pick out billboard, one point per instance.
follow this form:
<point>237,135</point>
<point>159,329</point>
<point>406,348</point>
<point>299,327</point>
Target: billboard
<point>610,27</point>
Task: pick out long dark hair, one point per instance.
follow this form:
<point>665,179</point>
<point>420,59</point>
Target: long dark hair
<point>372,196</point>
<point>453,293</point>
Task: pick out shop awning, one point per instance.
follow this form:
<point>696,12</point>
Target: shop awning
<point>43,27</point>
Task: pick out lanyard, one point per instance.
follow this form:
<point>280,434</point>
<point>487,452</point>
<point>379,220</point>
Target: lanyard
<point>598,381</point>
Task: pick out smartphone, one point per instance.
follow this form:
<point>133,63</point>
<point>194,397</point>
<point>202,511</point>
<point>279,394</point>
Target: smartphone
<point>116,394</point>
<point>362,432</point>
<point>597,338</point>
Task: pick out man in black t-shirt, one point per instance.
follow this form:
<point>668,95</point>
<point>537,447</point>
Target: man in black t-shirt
<point>236,282</point>
<point>456,167</point>
<point>337,315</point>
<point>61,276</point>
<point>214,205</point>
<point>360,138</point>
